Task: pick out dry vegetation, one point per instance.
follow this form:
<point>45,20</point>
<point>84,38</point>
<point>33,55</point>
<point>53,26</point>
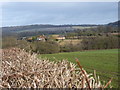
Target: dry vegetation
<point>23,70</point>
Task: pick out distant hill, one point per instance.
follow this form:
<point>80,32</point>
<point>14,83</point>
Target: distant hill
<point>37,29</point>
<point>41,26</point>
<point>30,30</point>
<point>117,23</point>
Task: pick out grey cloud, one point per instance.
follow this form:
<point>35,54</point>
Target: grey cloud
<point>59,13</point>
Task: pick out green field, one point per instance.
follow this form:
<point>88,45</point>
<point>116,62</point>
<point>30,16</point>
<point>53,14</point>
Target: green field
<point>105,62</point>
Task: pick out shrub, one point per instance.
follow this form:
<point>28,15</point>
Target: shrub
<point>45,47</point>
<point>104,42</point>
<point>9,42</point>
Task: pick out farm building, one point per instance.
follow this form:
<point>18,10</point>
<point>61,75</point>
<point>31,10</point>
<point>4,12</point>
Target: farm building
<point>114,33</point>
<point>29,39</point>
<point>41,38</point>
<point>22,38</point>
<point>60,38</point>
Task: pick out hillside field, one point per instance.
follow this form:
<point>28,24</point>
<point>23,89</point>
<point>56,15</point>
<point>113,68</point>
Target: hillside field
<point>105,62</point>
<point>70,41</point>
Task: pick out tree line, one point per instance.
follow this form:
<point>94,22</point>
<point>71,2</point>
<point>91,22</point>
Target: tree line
<point>49,47</point>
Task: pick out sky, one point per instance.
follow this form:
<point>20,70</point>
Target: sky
<point>27,13</point>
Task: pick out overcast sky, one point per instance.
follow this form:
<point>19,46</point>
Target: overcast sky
<point>27,13</point>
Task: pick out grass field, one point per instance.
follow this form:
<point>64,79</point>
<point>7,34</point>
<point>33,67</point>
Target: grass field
<point>70,41</point>
<point>105,62</point>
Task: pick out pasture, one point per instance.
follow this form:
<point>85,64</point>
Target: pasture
<point>105,62</point>
<point>70,41</point>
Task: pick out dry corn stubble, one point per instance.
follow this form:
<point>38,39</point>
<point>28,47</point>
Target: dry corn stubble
<point>23,70</point>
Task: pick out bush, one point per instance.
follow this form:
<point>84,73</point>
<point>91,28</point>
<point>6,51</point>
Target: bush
<point>104,42</point>
<point>71,48</point>
<point>9,42</point>
<point>45,47</point>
